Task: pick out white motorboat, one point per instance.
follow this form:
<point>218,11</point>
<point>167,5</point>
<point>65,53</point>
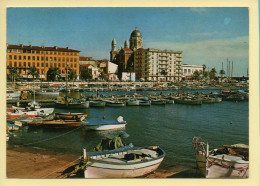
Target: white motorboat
<point>230,161</point>
<point>97,103</point>
<point>125,162</point>
<point>103,124</point>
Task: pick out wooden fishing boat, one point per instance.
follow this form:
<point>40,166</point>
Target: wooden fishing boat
<point>103,124</point>
<point>115,103</point>
<point>19,113</point>
<point>40,111</point>
<point>13,93</point>
<point>125,162</point>
<point>188,101</point>
<point>143,102</point>
<point>47,92</point>
<point>53,123</point>
<point>97,103</point>
<point>158,102</point>
<point>70,116</point>
<point>208,100</point>
<point>133,102</point>
<point>230,161</point>
<point>71,103</point>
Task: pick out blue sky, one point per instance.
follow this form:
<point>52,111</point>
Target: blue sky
<point>205,35</point>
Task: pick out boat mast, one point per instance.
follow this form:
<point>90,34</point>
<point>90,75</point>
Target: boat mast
<point>66,97</point>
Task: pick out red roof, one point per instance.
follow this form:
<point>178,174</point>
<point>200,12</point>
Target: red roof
<point>43,48</point>
<point>127,49</point>
<point>81,58</point>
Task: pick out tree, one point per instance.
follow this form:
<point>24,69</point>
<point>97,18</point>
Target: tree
<point>52,73</point>
<point>34,73</point>
<point>12,73</point>
<point>205,74</point>
<point>85,74</point>
<point>222,73</point>
<point>196,75</point>
<point>212,73</point>
<point>102,75</point>
<point>204,67</point>
<point>72,75</point>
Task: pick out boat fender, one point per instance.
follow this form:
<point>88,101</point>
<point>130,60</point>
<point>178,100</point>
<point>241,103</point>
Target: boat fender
<point>120,119</point>
<point>82,118</point>
<point>104,117</point>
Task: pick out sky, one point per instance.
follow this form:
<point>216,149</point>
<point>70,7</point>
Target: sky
<point>209,36</point>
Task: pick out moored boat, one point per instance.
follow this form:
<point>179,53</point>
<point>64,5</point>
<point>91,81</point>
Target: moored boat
<point>53,123</point>
<point>71,103</point>
<point>144,102</point>
<point>19,113</point>
<point>70,116</point>
<point>188,101</point>
<point>97,103</point>
<point>230,161</point>
<point>133,102</point>
<point>125,162</point>
<point>158,102</point>
<point>115,103</point>
<point>103,124</point>
<point>47,92</point>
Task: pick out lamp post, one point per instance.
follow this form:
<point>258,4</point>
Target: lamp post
<point>66,98</point>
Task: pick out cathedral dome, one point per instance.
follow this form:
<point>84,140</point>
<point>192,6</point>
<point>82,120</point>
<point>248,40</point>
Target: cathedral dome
<point>136,33</point>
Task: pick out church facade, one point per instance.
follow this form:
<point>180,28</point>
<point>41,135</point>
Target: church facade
<point>148,64</point>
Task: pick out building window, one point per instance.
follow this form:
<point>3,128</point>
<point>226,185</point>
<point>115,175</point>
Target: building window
<point>20,64</point>
<point>58,58</point>
<point>55,58</point>
<point>38,58</point>
<point>63,65</point>
<point>59,65</point>
<point>20,57</point>
<point>10,57</point>
<point>75,59</point>
<point>15,57</point>
<point>63,59</point>
<point>46,64</point>
<point>10,63</point>
<point>29,64</point>
<point>33,58</point>
<point>38,64</point>
<point>50,52</point>
<point>29,57</point>
<point>75,66</point>
<point>46,58</point>
<point>24,57</point>
<point>24,64</point>
<point>70,59</point>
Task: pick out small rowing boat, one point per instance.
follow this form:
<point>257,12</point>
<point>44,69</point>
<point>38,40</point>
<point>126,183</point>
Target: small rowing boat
<point>70,116</point>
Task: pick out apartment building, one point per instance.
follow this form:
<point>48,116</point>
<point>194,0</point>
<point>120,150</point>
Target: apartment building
<point>158,65</point>
<point>23,57</point>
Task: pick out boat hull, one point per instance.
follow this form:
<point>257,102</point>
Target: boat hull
<point>104,127</point>
<point>115,104</point>
<point>72,105</point>
<point>97,103</point>
<point>188,102</point>
<point>68,116</point>
<point>158,102</point>
<point>124,171</point>
<point>219,168</point>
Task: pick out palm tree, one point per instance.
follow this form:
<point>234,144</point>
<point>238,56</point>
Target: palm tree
<point>52,73</point>
<point>12,73</point>
<point>212,73</point>
<point>222,73</point>
<point>33,71</point>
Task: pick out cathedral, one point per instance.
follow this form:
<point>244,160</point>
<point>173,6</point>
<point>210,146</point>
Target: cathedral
<point>124,57</point>
<point>147,64</point>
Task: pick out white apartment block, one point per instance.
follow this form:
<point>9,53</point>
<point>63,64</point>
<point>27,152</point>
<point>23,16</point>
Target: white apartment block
<point>188,70</point>
<point>158,65</point>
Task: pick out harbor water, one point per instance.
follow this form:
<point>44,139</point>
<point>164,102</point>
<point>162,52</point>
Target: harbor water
<point>170,126</point>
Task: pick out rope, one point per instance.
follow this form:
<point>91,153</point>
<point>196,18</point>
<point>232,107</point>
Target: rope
<point>60,168</point>
<point>52,137</point>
